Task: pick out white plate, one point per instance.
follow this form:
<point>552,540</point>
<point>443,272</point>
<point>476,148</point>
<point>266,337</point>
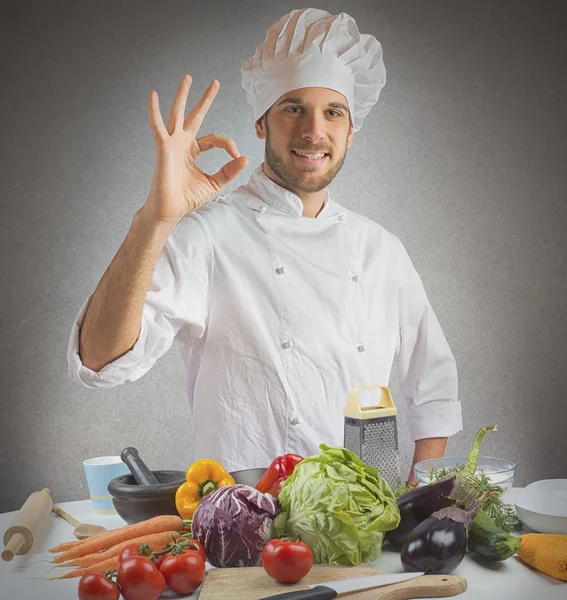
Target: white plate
<point>542,506</point>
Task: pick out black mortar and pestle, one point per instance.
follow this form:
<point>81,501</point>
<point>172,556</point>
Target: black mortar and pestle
<point>144,494</point>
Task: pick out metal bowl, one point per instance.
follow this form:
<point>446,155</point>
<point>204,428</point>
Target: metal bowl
<point>248,476</point>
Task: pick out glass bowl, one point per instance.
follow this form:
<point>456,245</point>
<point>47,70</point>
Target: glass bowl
<point>500,471</point>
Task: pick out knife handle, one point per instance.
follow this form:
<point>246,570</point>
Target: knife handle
<point>319,592</point>
<point>426,586</point>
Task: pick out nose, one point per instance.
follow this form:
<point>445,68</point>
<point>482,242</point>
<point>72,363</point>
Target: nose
<point>313,128</point>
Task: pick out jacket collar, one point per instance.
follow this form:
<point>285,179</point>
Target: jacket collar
<point>278,197</point>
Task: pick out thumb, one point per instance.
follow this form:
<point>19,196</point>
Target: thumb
<point>229,171</point>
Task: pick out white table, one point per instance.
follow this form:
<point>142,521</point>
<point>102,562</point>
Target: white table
<point>510,579</point>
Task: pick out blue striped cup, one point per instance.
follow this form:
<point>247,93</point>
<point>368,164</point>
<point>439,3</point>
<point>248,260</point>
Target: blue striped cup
<point>99,472</point>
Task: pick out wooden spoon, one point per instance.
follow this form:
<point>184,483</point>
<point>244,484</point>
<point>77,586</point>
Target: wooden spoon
<point>82,530</point>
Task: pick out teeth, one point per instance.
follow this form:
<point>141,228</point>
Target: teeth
<point>311,156</point>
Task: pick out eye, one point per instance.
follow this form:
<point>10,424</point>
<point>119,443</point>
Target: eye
<point>295,109</point>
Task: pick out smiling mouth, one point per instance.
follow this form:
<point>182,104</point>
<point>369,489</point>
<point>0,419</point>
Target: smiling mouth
<point>310,157</point>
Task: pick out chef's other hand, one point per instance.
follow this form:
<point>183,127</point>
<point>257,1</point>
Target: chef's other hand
<point>178,185</point>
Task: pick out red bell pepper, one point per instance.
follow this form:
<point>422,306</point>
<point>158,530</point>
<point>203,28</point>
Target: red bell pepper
<point>276,474</point>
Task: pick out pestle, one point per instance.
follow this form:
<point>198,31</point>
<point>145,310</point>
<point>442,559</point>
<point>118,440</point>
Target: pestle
<point>138,468</point>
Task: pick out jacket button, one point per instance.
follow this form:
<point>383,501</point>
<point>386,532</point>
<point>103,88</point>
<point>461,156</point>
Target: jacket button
<point>262,209</point>
<point>361,347</point>
<point>280,270</point>
<point>355,278</point>
<point>287,344</point>
<point>340,217</point>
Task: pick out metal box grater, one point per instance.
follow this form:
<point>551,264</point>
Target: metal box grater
<point>371,433</point>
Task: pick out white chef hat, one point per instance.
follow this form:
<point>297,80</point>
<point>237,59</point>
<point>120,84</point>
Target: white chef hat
<point>309,47</point>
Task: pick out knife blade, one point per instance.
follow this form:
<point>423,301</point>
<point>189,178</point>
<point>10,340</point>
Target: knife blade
<point>332,589</point>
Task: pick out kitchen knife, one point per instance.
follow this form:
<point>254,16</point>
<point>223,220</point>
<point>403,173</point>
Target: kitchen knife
<point>332,589</point>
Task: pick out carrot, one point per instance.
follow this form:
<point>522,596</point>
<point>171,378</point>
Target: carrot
<point>109,563</point>
<point>65,546</point>
<point>68,545</point>
<point>104,541</point>
<point>90,559</point>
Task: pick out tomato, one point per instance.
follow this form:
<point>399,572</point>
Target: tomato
<point>287,561</point>
<point>139,579</point>
<point>198,547</point>
<point>159,559</point>
<point>134,550</point>
<point>95,586</point>
<point>183,573</point>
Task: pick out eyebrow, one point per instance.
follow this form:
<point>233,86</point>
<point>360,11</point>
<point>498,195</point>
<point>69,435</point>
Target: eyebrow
<point>300,101</point>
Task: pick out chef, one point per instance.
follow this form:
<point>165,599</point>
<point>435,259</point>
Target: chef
<point>280,299</point>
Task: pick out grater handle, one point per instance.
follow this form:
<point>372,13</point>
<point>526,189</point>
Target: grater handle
<point>385,407</point>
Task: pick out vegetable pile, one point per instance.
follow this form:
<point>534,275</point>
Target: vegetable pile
<point>457,512</point>
<point>502,515</point>
<point>338,506</point>
<point>457,489</point>
<point>136,562</point>
<point>328,508</point>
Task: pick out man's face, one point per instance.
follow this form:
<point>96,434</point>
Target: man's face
<point>310,121</point>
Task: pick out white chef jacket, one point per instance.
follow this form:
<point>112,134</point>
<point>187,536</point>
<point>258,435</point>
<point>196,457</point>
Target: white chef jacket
<point>278,316</point>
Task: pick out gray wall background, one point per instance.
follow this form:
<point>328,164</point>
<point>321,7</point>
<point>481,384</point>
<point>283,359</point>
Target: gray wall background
<point>463,158</point>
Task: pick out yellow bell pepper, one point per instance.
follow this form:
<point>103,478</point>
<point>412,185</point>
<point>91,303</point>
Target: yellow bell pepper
<point>203,477</point>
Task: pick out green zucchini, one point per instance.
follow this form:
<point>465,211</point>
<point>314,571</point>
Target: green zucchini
<point>488,540</point>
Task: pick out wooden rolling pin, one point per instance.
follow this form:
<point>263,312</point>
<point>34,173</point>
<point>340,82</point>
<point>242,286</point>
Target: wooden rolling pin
<point>27,525</point>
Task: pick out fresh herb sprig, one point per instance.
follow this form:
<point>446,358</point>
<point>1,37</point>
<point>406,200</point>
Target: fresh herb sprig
<point>401,489</point>
<point>503,515</point>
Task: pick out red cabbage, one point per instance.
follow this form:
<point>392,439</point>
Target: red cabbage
<point>234,523</point>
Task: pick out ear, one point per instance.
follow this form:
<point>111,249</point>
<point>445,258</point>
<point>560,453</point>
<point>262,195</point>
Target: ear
<point>350,136</point>
<point>260,126</point>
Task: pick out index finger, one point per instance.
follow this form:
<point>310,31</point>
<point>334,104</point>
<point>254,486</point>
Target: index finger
<point>196,116</point>
<point>156,122</point>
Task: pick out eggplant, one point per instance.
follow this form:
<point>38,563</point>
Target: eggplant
<point>457,489</point>
<point>417,505</point>
<point>438,544</point>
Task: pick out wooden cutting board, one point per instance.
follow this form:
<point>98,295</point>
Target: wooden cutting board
<point>252,583</point>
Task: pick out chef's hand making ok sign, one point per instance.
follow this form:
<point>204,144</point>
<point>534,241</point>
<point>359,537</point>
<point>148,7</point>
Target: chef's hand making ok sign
<point>178,185</point>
